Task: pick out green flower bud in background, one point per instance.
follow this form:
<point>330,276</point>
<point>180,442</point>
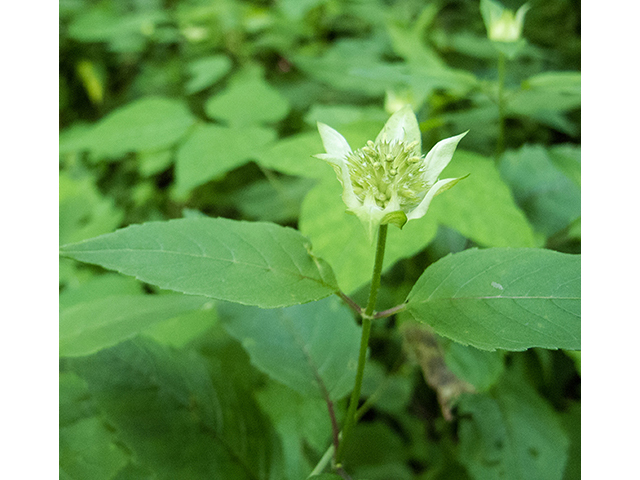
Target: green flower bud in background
<point>504,28</point>
<point>394,100</point>
<point>389,181</point>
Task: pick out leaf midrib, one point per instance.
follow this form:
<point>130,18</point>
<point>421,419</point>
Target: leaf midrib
<point>495,297</point>
<point>233,261</point>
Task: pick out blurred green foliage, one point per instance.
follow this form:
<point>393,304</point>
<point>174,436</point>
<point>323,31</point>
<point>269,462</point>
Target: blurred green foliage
<point>183,108</point>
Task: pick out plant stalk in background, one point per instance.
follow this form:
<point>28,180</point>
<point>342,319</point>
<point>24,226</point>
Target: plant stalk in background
<point>504,29</point>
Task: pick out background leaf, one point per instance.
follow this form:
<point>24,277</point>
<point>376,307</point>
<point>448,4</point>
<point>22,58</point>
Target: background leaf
<point>89,450</point>
<point>179,421</point>
<point>301,423</point>
<point>248,100</point>
<point>151,123</point>
<point>543,191</point>
<point>213,150</point>
<point>206,71</point>
<point>377,452</point>
<point>481,206</point>
<point>90,326</point>
<point>84,212</point>
<point>252,263</point>
<point>480,368</point>
<point>511,299</point>
<point>292,155</point>
<point>184,329</point>
<point>516,434</point>
<point>300,344</point>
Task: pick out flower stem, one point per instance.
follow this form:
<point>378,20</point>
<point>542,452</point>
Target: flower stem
<point>502,67</point>
<point>364,341</point>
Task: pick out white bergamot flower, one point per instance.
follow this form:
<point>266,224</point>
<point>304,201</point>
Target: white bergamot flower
<point>389,181</point>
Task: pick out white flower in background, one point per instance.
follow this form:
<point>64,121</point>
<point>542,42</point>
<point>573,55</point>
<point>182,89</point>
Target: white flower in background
<point>502,24</point>
<point>388,181</point>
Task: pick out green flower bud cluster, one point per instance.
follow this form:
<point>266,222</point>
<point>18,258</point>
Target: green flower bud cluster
<point>388,169</point>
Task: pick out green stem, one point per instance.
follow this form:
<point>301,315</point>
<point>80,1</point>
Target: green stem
<point>364,341</point>
<point>324,461</point>
<point>502,68</point>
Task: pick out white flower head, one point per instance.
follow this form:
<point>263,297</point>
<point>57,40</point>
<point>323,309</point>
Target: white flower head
<point>502,24</point>
<point>389,181</point>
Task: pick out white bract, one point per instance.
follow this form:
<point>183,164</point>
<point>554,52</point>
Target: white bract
<point>389,181</point>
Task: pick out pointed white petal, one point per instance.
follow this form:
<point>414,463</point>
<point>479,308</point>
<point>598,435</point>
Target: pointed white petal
<point>348,195</point>
<point>370,214</point>
<point>440,156</point>
<point>330,159</point>
<point>491,12</point>
<point>402,126</point>
<point>439,187</point>
<point>520,15</point>
<point>334,143</point>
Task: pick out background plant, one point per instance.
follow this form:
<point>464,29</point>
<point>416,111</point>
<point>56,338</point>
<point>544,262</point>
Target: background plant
<point>179,109</point>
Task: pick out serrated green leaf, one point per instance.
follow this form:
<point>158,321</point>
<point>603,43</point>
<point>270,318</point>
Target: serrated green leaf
<point>84,211</point>
<point>566,158</point>
<point>339,115</point>
<point>124,32</point>
<point>297,9</point>
<point>388,392</point>
<point>346,65</point>
<point>74,400</point>
<point>90,326</point>
<point>511,299</point>
<point>377,452</point>
<point>515,435</point>
<point>147,124</point>
<point>300,345</point>
<point>480,368</point>
<point>254,263</point>
<point>549,198</point>
<point>206,72</point>
<point>528,102</point>
<point>178,419</point>
<point>179,331</point>
<point>481,206</point>
<point>274,200</point>
<point>565,82</point>
<point>73,139</point>
<point>571,421</point>
<point>152,163</point>
<point>301,422</point>
<point>99,286</point>
<point>88,450</point>
<point>134,471</point>
<point>248,100</point>
<point>213,150</point>
<point>292,155</point>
